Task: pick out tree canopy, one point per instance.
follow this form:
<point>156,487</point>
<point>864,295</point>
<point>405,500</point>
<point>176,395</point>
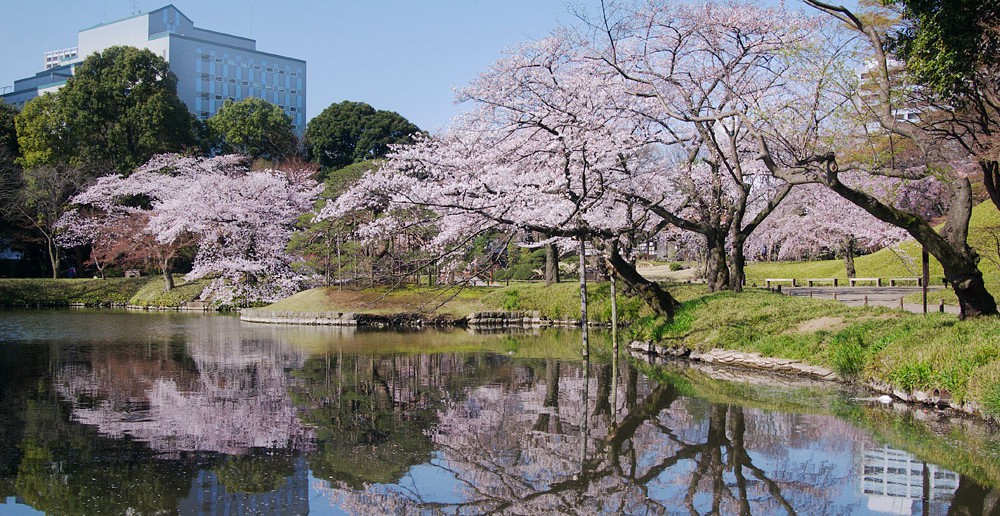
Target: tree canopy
<point>254,127</point>
<point>118,110</point>
<point>8,129</point>
<point>947,43</point>
<point>351,132</point>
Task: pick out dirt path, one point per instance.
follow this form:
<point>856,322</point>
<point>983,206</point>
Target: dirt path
<point>881,296</point>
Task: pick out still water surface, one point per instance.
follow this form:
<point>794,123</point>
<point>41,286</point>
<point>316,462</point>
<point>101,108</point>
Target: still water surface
<point>111,413</point>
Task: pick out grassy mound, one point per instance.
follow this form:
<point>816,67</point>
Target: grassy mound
<point>152,294</point>
<point>439,301</point>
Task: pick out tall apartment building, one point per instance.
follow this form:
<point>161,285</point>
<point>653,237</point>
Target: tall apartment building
<point>210,66</point>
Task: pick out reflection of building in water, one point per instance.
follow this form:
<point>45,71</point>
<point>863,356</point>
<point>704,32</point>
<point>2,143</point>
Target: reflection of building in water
<point>893,479</point>
<point>208,495</point>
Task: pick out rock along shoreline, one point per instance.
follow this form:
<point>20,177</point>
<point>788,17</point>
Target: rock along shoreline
<point>938,399</point>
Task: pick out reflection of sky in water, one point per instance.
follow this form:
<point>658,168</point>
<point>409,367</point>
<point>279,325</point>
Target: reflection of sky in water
<point>495,428</point>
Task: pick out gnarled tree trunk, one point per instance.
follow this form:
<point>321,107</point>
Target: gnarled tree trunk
<point>716,267</point>
<point>659,300</point>
<point>959,261</point>
<point>168,274</point>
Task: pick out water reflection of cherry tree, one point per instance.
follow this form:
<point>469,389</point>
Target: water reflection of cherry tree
<point>372,413</point>
<point>557,443</point>
<point>229,395</point>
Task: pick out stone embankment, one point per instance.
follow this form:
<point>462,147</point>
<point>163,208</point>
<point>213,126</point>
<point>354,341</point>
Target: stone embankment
<point>190,306</point>
<point>738,358</point>
<point>938,399</point>
<point>497,320</point>
<point>400,320</point>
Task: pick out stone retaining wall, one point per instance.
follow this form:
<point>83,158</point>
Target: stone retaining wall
<point>738,358</point>
<point>530,319</point>
<point>400,320</point>
<point>307,318</point>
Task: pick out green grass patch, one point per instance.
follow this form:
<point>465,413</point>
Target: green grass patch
<point>448,301</point>
<point>562,300</point>
<point>152,293</point>
<point>66,292</point>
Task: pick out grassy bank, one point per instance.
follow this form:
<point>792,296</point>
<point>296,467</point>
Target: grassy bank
<point>144,291</point>
<point>557,302</point>
<point>441,301</point>
<point>907,351</point>
<point>66,292</point>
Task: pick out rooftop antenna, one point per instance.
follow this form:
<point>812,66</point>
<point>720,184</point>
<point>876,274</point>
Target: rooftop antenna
<point>135,7</point>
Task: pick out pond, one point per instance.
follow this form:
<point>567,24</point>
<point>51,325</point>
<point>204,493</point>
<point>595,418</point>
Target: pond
<point>105,412</point>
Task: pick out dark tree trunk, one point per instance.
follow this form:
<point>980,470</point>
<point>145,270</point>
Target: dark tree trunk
<point>583,299</point>
<point>959,261</point>
<point>659,300</point>
<point>551,264</point>
<point>739,261</point>
<point>847,248</point>
<point>991,178</point>
<point>168,275</point>
<point>716,268</point>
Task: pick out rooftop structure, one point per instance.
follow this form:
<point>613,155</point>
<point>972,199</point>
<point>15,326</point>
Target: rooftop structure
<point>211,67</point>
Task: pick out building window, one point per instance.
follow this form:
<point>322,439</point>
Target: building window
<point>204,95</point>
<point>218,97</point>
<point>218,59</point>
<point>232,80</point>
<point>293,109</point>
<point>245,83</point>
<point>294,91</point>
<point>295,74</point>
<point>204,57</point>
<point>270,68</point>
<point>204,76</point>
<point>256,67</point>
<point>218,77</point>
<point>269,87</point>
<point>281,71</point>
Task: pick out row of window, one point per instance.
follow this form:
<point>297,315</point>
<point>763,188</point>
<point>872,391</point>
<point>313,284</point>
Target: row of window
<point>206,96</point>
<point>234,80</point>
<point>269,87</point>
<point>244,64</point>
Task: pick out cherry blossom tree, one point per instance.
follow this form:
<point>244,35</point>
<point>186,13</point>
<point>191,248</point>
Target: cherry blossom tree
<point>881,100</point>
<point>545,147</point>
<point>701,74</point>
<point>241,220</point>
<point>814,221</point>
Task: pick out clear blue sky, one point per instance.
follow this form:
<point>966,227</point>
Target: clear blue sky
<point>402,55</point>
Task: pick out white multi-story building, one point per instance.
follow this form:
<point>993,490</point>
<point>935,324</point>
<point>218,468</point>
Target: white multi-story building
<point>210,66</point>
